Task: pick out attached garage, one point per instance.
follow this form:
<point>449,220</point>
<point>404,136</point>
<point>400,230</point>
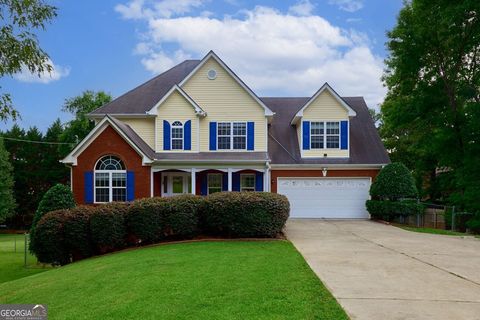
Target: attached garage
<point>330,198</point>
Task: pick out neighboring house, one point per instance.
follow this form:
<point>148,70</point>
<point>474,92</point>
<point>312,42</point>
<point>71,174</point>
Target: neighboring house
<point>197,128</point>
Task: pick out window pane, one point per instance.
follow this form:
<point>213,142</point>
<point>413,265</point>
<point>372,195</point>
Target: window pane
<point>239,142</point>
<point>247,182</point>
<point>214,183</point>
<point>333,128</point>
<point>223,129</point>
<point>102,195</point>
<point>316,128</point>
<point>223,142</point>
<point>110,163</point>
<point>177,184</point>
<point>316,142</point>
<point>119,194</point>
<point>102,179</point>
<point>332,142</point>
<point>177,133</point>
<point>177,144</point>
<point>239,129</point>
<point>119,179</point>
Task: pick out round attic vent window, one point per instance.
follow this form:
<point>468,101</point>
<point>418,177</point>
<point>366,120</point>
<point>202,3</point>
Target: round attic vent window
<point>212,74</point>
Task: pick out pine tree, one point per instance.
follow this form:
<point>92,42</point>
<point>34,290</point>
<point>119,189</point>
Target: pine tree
<point>7,202</point>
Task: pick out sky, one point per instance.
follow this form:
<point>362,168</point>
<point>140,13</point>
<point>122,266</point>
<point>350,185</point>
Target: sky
<point>279,48</point>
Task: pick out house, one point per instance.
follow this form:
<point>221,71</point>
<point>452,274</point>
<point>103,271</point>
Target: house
<point>198,128</point>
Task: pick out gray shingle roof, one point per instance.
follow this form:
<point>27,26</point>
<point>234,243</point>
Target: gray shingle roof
<point>145,96</point>
<point>283,145</point>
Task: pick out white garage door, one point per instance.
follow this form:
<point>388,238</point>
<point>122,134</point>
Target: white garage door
<point>334,198</point>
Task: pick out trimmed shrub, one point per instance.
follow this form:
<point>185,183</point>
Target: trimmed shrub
<point>57,197</point>
<point>49,237</point>
<point>394,182</point>
<point>107,227</point>
<point>145,220</point>
<point>387,210</point>
<point>245,214</point>
<point>151,220</point>
<point>78,240</point>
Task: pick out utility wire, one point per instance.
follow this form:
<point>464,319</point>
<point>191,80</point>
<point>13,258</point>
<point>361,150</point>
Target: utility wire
<point>34,141</point>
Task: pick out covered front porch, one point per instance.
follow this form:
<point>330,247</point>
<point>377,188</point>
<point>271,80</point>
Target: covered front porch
<point>203,180</point>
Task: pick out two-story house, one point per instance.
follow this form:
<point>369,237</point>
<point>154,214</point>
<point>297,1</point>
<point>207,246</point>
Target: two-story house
<point>198,128</point>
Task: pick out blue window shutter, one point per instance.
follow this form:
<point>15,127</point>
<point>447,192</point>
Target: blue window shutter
<point>88,185</point>
<point>187,135</point>
<point>258,181</point>
<point>213,136</point>
<point>203,184</point>
<point>235,181</point>
<point>250,135</point>
<point>224,181</point>
<point>344,135</point>
<point>306,135</point>
<point>166,135</point>
<point>130,186</point>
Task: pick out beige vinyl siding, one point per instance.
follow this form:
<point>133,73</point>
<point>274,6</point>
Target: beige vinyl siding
<point>176,108</point>
<point>324,108</point>
<point>223,99</point>
<point>144,127</point>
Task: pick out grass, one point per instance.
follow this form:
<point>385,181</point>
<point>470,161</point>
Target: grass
<point>12,259</point>
<point>434,231</point>
<point>199,280</point>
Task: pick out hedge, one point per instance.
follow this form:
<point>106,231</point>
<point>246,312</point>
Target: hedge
<point>474,224</point>
<point>68,235</point>
<point>387,210</point>
<point>245,214</point>
<point>394,182</point>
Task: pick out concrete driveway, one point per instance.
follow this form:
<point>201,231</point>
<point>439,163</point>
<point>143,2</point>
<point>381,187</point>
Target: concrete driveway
<point>382,272</point>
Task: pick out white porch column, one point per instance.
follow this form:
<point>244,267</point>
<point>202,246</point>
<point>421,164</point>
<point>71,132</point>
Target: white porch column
<point>266,180</point>
<point>229,174</point>
<point>193,180</point>
<point>151,182</point>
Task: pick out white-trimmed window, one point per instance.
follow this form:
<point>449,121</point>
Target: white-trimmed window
<point>232,135</point>
<point>177,135</point>
<point>214,182</point>
<point>247,182</point>
<point>110,180</point>
<point>324,135</point>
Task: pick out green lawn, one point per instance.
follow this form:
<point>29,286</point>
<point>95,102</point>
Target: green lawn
<point>12,261</point>
<point>199,280</point>
<point>434,231</point>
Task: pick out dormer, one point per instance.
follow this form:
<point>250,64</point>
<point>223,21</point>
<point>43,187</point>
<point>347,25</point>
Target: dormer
<point>323,125</point>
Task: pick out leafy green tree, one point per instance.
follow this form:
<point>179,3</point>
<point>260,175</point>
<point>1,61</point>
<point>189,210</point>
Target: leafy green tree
<point>7,202</point>
<point>53,171</point>
<point>394,182</point>
<point>80,126</point>
<point>430,118</point>
<point>19,47</point>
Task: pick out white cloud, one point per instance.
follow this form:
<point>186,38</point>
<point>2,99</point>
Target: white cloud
<point>45,77</point>
<point>302,8</point>
<point>348,5</point>
<point>273,52</point>
<point>137,9</point>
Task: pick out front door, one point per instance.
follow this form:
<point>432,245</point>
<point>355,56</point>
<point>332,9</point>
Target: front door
<point>176,183</point>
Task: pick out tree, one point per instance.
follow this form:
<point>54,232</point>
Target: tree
<point>19,47</point>
<point>7,202</point>
<point>80,106</point>
<point>53,170</point>
<point>430,118</point>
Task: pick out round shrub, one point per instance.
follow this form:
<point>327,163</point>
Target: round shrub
<point>474,224</point>
<point>387,210</point>
<point>245,214</point>
<point>145,220</point>
<point>78,240</point>
<point>57,197</point>
<point>49,237</point>
<point>107,227</point>
<point>394,182</point>
<point>182,216</point>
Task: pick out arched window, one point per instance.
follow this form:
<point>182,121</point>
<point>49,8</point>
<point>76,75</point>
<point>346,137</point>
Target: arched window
<point>177,135</point>
<point>110,180</point>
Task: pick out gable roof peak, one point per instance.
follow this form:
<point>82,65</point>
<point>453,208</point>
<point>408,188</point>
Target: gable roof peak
<point>176,88</point>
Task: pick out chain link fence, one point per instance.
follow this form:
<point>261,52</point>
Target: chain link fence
<point>14,246</point>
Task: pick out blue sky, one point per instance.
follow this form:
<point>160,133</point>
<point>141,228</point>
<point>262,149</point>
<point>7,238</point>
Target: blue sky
<point>279,48</point>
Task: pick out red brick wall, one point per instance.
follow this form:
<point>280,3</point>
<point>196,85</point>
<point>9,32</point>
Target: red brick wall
<point>109,142</point>
<point>318,173</point>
